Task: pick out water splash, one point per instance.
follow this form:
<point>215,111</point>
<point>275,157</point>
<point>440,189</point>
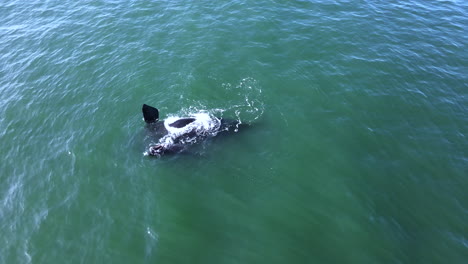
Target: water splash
<point>246,100</point>
<point>244,106</point>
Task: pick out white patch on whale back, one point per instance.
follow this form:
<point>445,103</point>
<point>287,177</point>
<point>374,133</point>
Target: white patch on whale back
<point>204,125</point>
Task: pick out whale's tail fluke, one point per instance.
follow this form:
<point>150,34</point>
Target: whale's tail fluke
<point>150,114</point>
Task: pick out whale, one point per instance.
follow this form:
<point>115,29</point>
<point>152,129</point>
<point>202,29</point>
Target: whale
<point>176,134</point>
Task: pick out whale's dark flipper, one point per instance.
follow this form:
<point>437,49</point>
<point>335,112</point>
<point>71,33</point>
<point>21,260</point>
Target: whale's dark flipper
<point>150,114</point>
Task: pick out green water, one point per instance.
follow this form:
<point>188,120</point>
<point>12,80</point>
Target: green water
<point>357,150</point>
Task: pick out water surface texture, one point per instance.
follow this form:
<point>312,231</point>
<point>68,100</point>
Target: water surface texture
<point>357,148</point>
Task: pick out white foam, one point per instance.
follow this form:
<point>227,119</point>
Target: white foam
<point>204,125</point>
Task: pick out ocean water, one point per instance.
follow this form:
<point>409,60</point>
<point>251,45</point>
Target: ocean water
<point>356,150</point>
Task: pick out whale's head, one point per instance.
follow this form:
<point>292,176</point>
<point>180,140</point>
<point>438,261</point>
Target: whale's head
<point>156,150</point>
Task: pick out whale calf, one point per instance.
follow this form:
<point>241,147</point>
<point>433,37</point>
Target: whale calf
<point>177,134</point>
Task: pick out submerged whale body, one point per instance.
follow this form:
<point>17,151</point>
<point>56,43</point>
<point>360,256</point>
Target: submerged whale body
<point>177,134</point>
